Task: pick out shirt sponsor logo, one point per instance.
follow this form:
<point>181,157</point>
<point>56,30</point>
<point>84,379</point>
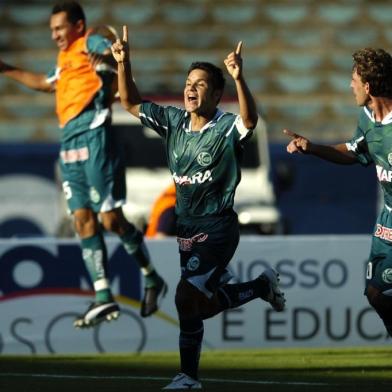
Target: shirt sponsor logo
<point>383,174</point>
<point>385,233</point>
<point>199,178</point>
<point>185,244</point>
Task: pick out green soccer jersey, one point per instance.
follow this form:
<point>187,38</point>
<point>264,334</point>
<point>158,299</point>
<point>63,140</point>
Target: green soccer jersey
<point>372,142</point>
<point>205,165</point>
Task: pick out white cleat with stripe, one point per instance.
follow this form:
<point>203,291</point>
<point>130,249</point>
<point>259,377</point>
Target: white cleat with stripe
<point>96,313</point>
<point>184,382</point>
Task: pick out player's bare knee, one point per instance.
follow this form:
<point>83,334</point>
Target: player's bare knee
<point>85,225</point>
<point>111,225</point>
<point>114,222</point>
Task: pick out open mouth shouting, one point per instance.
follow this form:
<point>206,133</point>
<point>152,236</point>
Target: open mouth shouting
<point>191,101</point>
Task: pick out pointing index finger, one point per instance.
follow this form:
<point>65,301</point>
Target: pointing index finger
<point>289,133</point>
<point>125,33</point>
<point>238,49</point>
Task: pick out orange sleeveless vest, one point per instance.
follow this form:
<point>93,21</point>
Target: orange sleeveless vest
<point>166,200</point>
<point>77,83</point>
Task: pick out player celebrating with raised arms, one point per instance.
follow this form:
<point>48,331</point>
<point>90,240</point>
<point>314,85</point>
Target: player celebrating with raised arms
<point>372,143</point>
<point>91,169</point>
<point>203,148</point>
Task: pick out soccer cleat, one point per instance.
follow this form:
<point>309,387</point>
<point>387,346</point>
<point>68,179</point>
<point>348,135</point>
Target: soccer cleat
<point>96,313</point>
<point>275,296</point>
<point>153,297</point>
<point>182,381</point>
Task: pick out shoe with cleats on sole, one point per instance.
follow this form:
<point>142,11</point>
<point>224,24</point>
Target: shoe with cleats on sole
<point>184,382</point>
<point>96,313</point>
<point>275,296</point>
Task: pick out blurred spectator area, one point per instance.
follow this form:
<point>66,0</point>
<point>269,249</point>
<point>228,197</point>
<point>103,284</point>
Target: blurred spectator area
<point>297,55</point>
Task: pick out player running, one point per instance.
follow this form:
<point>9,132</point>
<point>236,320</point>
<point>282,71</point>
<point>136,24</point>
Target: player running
<point>372,144</point>
<point>203,148</point>
<point>91,168</point>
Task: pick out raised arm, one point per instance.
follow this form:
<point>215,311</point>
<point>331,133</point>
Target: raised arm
<point>337,153</point>
<point>248,111</point>
<point>129,94</point>
<point>35,81</point>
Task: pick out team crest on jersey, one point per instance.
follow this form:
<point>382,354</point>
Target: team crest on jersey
<point>390,158</point>
<point>193,263</point>
<point>204,158</point>
<point>387,275</point>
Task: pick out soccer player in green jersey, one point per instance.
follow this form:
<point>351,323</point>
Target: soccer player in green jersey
<point>372,143</point>
<point>91,169</point>
<point>203,148</point>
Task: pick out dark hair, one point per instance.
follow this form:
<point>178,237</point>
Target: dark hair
<point>374,66</point>
<point>215,73</point>
<point>73,10</point>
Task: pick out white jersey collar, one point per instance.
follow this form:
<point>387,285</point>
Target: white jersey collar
<point>386,120</point>
<point>211,123</point>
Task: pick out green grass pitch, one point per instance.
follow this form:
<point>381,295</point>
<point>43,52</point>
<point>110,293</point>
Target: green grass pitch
<point>277,370</point>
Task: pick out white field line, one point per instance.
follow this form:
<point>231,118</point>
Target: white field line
<point>147,378</point>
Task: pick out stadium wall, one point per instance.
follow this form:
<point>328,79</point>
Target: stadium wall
<point>44,285</point>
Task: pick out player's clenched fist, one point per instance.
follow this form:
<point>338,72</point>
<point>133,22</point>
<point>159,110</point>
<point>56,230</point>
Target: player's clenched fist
<point>233,62</point>
<point>298,143</point>
<point>120,48</point>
